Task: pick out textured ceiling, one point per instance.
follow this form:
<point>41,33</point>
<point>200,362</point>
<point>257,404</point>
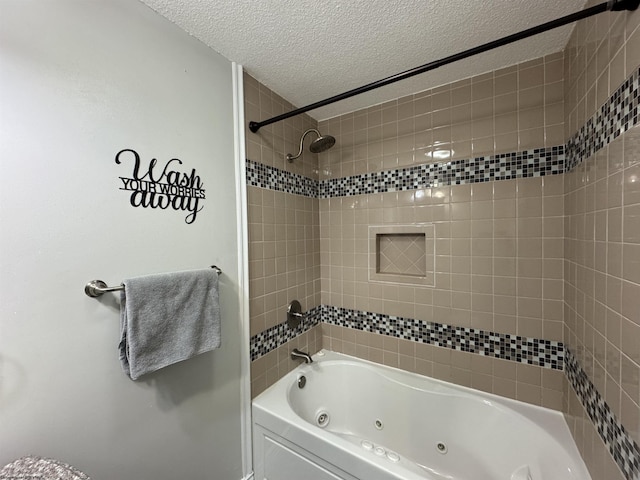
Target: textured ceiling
<point>309,50</point>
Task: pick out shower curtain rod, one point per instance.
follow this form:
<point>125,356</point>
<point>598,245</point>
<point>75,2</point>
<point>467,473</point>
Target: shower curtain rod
<point>612,5</point>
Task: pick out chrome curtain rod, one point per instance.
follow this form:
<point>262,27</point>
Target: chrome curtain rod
<point>612,5</point>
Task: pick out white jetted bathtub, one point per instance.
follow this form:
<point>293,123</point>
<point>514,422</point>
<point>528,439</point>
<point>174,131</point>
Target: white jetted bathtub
<point>355,419</point>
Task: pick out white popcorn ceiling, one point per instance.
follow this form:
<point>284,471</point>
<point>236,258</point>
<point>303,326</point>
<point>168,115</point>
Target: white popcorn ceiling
<point>309,50</point>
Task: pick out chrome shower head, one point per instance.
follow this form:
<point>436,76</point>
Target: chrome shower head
<point>320,144</point>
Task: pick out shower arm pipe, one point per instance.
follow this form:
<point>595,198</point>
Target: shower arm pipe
<point>612,5</point>
<point>290,157</point>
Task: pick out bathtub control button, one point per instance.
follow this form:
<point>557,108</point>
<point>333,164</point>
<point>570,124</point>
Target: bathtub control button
<point>379,451</point>
<point>393,456</point>
<point>367,445</point>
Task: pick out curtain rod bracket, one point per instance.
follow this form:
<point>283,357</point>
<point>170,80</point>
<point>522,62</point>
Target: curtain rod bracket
<point>619,5</point>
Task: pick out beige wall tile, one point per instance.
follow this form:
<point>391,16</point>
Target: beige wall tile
<point>522,250</point>
<point>597,218</point>
<point>499,112</point>
<point>531,77</point>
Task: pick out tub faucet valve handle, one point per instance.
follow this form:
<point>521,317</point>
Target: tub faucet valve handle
<point>295,315</point>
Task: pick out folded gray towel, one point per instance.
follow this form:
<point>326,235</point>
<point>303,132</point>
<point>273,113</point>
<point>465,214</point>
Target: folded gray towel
<point>167,318</point>
<point>38,468</point>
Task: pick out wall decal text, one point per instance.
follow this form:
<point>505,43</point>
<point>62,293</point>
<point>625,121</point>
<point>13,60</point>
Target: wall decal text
<point>162,186</point>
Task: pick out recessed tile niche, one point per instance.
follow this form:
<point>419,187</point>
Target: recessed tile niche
<point>402,254</point>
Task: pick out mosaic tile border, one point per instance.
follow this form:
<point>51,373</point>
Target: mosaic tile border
<point>505,166</point>
<point>622,448</point>
<point>264,176</point>
<point>274,337</point>
<point>618,114</point>
<point>531,351</point>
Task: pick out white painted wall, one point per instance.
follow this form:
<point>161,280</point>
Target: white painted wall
<point>79,81</point>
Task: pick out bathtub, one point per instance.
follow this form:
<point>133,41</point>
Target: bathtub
<point>354,419</point>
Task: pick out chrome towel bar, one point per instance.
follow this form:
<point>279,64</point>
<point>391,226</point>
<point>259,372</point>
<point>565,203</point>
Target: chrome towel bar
<point>95,288</point>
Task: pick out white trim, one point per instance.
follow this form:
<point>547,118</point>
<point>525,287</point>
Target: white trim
<point>248,477</point>
<point>243,270</point>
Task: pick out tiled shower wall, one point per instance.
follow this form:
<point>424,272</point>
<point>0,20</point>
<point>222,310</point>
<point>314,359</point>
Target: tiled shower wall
<point>512,109</point>
<point>522,106</point>
<point>499,244</point>
<point>284,235</point>
<point>502,264</point>
<point>602,248</point>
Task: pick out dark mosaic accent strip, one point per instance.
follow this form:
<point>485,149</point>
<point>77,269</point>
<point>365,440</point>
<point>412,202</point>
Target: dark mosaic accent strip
<point>274,337</point>
<point>618,114</point>
<point>506,166</point>
<point>263,176</point>
<point>621,446</point>
<point>529,163</point>
<point>532,351</point>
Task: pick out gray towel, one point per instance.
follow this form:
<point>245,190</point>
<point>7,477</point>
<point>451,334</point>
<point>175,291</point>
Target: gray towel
<point>38,468</point>
<point>167,318</point>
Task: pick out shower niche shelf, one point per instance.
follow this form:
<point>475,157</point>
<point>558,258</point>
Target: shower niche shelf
<point>402,254</point>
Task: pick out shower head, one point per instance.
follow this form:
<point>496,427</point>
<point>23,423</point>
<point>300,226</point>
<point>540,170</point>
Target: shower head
<point>320,144</point>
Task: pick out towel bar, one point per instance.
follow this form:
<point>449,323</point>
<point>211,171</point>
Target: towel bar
<point>95,288</point>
